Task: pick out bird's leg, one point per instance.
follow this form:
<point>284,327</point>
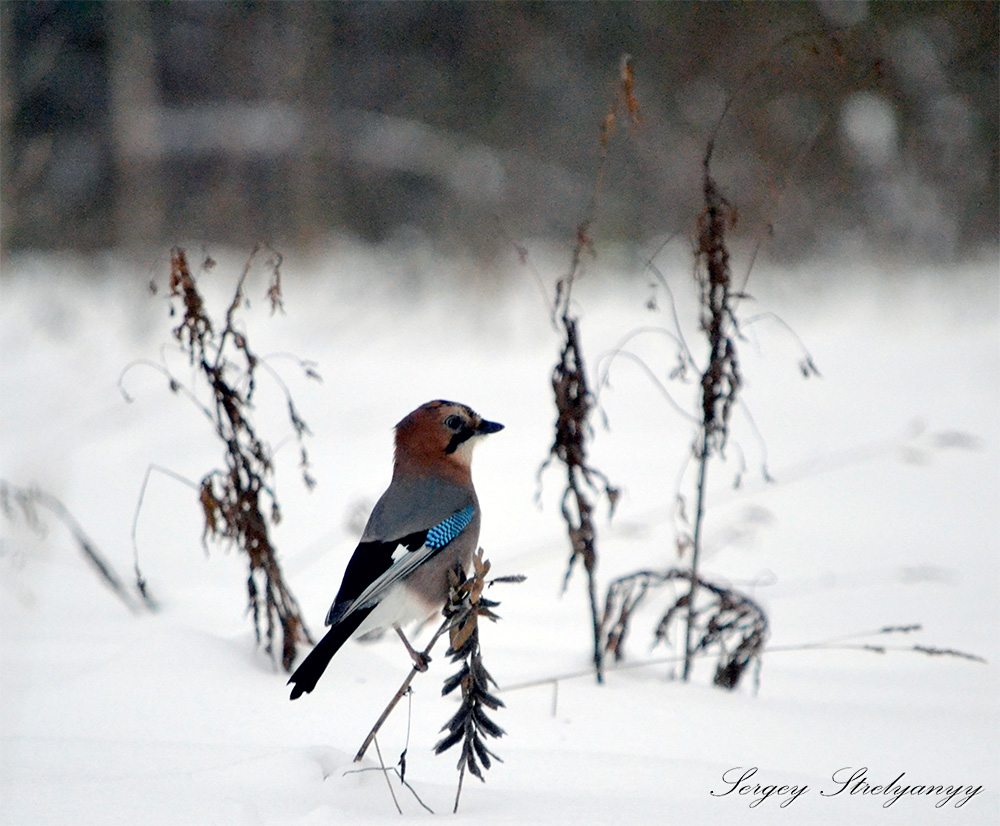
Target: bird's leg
<point>426,656</point>
<point>420,661</point>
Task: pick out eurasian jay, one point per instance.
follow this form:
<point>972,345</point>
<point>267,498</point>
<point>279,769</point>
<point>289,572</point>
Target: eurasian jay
<point>425,523</point>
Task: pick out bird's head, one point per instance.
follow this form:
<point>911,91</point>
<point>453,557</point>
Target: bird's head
<point>440,434</point>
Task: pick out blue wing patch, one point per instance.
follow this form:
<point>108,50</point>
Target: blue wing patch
<point>444,532</point>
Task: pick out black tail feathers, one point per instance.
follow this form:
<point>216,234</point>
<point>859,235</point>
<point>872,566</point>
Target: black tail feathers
<point>305,677</point>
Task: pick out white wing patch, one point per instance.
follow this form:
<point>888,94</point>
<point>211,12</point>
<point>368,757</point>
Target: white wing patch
<point>405,564</point>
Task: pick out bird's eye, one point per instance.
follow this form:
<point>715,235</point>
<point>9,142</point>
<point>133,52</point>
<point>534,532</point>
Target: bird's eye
<point>454,422</point>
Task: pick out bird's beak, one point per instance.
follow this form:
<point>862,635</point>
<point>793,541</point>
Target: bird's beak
<point>488,427</point>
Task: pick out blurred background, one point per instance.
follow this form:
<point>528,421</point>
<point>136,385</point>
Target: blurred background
<point>870,126</point>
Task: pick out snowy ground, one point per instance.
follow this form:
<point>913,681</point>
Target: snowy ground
<point>884,511</point>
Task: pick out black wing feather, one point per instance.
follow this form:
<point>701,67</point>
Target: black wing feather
<point>369,562</point>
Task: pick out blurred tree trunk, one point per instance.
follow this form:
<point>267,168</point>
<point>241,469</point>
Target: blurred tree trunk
<point>7,92</point>
<point>139,203</point>
<point>306,172</point>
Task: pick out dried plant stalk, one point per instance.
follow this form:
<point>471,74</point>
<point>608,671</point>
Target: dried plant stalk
<point>237,501</point>
<point>24,502</point>
<point>470,725</point>
<point>573,398</point>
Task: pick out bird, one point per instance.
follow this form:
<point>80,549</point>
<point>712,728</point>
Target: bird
<point>425,524</point>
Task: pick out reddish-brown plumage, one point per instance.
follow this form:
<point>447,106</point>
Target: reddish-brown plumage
<point>423,438</point>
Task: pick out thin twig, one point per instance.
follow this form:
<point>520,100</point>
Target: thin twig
<point>685,350</point>
<point>840,643</point>
<point>401,780</point>
<point>386,774</point>
<point>26,497</point>
<point>399,694</point>
<point>590,672</point>
<point>140,580</point>
<point>699,520</point>
<point>653,378</point>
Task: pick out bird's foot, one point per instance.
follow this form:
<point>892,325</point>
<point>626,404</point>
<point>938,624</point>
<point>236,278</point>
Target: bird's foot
<point>420,661</point>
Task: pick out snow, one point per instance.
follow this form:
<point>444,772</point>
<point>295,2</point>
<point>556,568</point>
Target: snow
<point>884,511</point>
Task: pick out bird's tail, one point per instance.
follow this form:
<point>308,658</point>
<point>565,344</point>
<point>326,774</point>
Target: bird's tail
<point>305,677</point>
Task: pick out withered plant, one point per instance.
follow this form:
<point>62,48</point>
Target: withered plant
<point>721,379</point>
<point>724,621</point>
<point>573,398</point>
<point>470,724</point>
<point>237,500</point>
<point>574,405</point>
<point>24,503</point>
<point>712,615</point>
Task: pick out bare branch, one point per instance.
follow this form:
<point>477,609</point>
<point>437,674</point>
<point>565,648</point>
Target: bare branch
<point>14,498</point>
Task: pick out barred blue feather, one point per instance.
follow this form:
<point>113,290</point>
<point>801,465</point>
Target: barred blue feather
<point>442,533</point>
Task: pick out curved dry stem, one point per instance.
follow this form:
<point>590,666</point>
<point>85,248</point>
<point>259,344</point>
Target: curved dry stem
<point>659,385</point>
<point>686,351</point>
